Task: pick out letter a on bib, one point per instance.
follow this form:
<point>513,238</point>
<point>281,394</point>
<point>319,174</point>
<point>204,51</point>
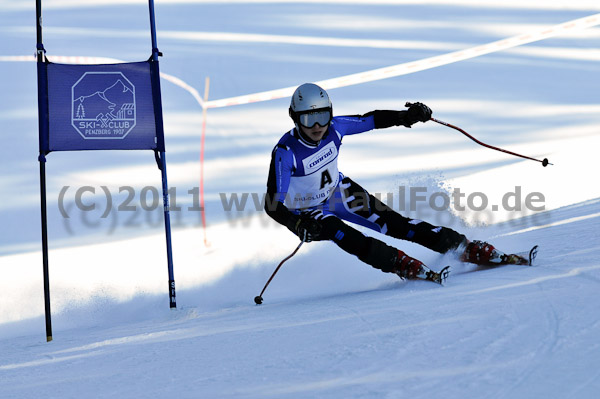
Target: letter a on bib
<point>325,179</point>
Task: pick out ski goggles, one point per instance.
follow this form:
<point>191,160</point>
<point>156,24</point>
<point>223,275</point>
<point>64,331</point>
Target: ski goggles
<point>321,116</point>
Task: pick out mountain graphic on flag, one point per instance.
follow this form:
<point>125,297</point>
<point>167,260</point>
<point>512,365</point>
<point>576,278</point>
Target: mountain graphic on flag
<point>114,102</point>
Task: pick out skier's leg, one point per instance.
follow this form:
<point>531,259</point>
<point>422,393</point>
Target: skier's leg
<point>351,202</point>
<point>370,250</point>
<point>437,238</point>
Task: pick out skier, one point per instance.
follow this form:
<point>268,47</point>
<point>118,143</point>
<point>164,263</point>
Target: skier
<point>307,194</point>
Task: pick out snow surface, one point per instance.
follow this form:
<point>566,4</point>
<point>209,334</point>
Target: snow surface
<point>330,326</point>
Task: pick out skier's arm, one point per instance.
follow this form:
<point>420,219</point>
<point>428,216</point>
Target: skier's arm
<point>417,112</point>
<point>281,214</point>
<point>381,119</point>
<point>280,172</point>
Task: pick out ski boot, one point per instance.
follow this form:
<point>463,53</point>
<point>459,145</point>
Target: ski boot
<point>485,254</point>
<point>411,268</point>
<point>481,253</point>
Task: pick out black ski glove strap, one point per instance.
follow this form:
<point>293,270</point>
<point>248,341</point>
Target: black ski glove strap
<point>417,112</point>
<point>308,229</point>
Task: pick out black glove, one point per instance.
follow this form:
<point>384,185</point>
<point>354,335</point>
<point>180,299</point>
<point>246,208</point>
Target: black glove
<point>308,228</point>
<point>417,112</point>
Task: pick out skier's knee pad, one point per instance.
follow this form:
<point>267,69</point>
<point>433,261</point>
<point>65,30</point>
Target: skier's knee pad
<point>380,255</point>
<point>369,250</point>
<point>437,238</point>
<point>331,228</point>
<point>448,239</point>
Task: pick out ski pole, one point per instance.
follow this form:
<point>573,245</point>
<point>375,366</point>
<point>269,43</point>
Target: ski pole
<point>258,299</point>
<point>544,161</point>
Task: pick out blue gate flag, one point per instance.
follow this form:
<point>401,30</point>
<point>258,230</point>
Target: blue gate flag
<point>102,107</point>
<point>99,107</point>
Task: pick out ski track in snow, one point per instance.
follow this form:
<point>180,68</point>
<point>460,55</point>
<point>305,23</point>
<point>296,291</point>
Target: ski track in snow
<point>329,325</point>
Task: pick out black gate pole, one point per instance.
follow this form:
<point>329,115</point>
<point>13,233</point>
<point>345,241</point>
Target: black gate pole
<point>162,162</point>
<point>43,129</point>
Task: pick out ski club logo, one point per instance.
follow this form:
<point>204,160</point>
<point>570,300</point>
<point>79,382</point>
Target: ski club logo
<point>103,105</point>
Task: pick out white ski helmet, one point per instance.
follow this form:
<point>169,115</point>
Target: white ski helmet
<point>310,105</point>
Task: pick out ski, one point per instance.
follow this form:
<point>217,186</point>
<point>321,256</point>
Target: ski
<point>498,258</point>
<point>427,274</point>
<point>525,258</point>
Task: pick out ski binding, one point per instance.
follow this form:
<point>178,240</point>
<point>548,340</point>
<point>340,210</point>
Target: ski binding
<point>438,277</point>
